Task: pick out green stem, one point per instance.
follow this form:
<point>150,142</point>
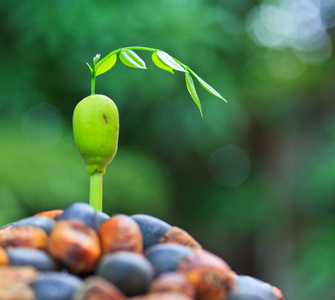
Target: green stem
<point>140,48</point>
<point>93,84</point>
<point>96,191</point>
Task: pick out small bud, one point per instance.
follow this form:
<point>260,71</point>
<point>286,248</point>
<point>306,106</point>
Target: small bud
<point>96,58</point>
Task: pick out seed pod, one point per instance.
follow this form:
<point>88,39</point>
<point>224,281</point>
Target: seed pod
<point>132,273</point>
<point>210,275</point>
<point>52,214</point>
<point>31,257</point>
<point>177,235</point>
<point>161,296</point>
<point>3,257</point>
<point>75,245</point>
<point>96,131</point>
<point>56,286</point>
<point>38,221</point>
<point>248,287</point>
<point>24,236</point>
<point>120,232</point>
<point>80,211</point>
<point>99,218</point>
<point>98,288</point>
<point>152,228</point>
<point>172,282</point>
<point>166,257</point>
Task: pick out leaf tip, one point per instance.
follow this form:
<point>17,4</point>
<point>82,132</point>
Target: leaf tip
<point>225,100</point>
<point>89,67</point>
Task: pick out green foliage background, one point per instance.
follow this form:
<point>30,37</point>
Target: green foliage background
<point>267,205</point>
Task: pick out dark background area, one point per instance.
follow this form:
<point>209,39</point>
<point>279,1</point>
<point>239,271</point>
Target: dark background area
<point>253,180</point>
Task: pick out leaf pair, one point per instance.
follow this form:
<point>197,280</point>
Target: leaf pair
<point>128,57</point>
<point>166,62</point>
<point>131,59</point>
<point>162,60</point>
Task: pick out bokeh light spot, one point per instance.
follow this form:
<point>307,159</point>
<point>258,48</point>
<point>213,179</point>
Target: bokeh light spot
<point>299,25</point>
<point>284,64</point>
<point>229,166</point>
<point>229,16</point>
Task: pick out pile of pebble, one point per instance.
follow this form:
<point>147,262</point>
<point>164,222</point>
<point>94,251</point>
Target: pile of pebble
<point>81,254</point>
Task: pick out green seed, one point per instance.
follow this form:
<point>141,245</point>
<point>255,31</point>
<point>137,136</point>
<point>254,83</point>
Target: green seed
<point>96,131</point>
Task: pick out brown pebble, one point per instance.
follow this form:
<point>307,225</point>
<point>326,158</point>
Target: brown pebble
<point>177,235</point>
<point>75,246</point>
<point>97,288</point>
<point>52,214</point>
<point>161,296</point>
<point>4,260</point>
<point>210,275</point>
<point>120,233</point>
<point>172,282</point>
<point>24,236</point>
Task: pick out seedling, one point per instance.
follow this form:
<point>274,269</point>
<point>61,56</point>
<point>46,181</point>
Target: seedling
<point>96,118</point>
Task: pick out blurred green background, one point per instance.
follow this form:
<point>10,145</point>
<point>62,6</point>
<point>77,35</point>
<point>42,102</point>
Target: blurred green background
<point>253,180</point>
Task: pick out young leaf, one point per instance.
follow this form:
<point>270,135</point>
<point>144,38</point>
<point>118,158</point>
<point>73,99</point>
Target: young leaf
<point>105,64</point>
<point>131,59</point>
<point>169,61</point>
<point>207,87</point>
<point>160,64</point>
<point>90,67</point>
<point>191,89</point>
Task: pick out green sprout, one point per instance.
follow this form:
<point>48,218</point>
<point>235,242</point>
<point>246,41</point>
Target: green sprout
<point>160,58</point>
<point>96,118</point>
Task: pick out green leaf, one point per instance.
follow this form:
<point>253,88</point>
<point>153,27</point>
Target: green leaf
<point>131,59</point>
<point>160,64</point>
<point>90,67</point>
<point>169,61</point>
<point>105,64</point>
<point>207,87</point>
<point>191,89</point>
